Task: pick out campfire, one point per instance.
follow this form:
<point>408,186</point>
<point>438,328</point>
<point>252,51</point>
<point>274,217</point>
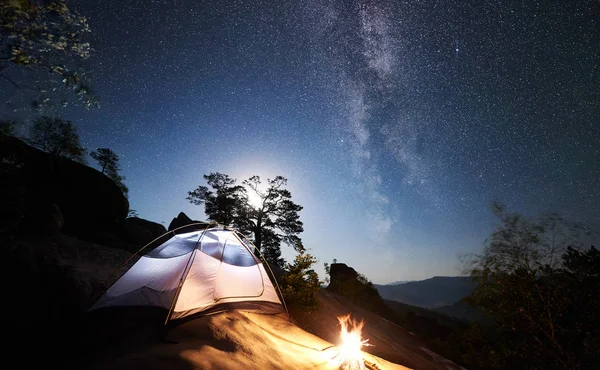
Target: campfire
<point>350,356</point>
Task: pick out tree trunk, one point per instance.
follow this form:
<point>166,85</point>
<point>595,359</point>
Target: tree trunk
<point>258,233</point>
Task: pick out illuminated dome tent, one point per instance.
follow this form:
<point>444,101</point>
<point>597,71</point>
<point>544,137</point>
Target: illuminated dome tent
<point>196,269</point>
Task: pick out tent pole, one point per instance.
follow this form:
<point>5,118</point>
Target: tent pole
<point>272,274</point>
<point>155,239</point>
<point>183,276</point>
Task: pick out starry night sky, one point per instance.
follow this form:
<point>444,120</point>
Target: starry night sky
<point>397,123</point>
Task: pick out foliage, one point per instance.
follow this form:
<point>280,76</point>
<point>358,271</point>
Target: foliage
<point>327,268</point>
<point>581,321</point>
<point>364,281</point>
<point>109,164</point>
<point>57,136</point>
<point>107,159</point>
<point>118,179</point>
<point>362,292</point>
<point>224,203</point>
<point>272,219</point>
<point>473,346</point>
<point>45,38</point>
<point>540,290</point>
<point>348,283</point>
<point>465,344</point>
<point>7,127</point>
<point>300,284</point>
<point>270,248</point>
<point>275,211</point>
<point>327,272</point>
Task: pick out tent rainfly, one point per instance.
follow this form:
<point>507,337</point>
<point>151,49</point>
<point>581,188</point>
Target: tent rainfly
<point>196,269</point>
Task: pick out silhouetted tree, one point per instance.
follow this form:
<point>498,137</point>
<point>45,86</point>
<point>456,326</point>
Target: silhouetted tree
<point>57,136</point>
<point>109,165</point>
<point>327,272</point>
<point>223,204</point>
<point>581,321</point>
<point>107,160</point>
<point>270,247</point>
<point>270,220</point>
<point>530,282</point>
<point>45,38</point>
<point>274,211</point>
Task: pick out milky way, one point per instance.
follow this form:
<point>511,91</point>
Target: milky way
<point>397,123</point>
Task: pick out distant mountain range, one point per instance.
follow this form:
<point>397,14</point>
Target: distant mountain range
<point>431,293</point>
<point>400,282</point>
<point>463,311</point>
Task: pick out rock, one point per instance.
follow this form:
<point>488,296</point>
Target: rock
<point>55,220</point>
<point>345,281</point>
<point>43,220</point>
<point>31,179</point>
<point>136,234</point>
<point>340,273</point>
<point>141,232</point>
<point>181,220</point>
<point>155,229</point>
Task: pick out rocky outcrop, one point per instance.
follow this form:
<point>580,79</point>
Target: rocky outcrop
<point>141,232</point>
<point>47,220</point>
<point>33,182</point>
<point>53,283</point>
<point>345,281</point>
<point>136,234</point>
<point>181,220</point>
<point>155,228</point>
<point>340,275</point>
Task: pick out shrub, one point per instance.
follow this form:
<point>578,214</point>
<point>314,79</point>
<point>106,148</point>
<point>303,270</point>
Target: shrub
<point>300,283</point>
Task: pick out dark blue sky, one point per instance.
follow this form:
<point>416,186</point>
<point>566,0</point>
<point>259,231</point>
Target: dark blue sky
<point>397,123</point>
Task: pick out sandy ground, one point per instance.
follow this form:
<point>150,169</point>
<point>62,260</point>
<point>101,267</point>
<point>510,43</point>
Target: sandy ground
<point>230,340</point>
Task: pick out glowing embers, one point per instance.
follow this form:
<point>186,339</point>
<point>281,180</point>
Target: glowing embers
<point>350,356</point>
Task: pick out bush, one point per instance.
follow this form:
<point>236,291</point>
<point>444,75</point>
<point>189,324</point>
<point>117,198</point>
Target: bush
<point>300,283</point>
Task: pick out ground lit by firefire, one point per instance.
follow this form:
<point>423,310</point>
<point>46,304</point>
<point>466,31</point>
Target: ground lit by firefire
<point>350,356</point>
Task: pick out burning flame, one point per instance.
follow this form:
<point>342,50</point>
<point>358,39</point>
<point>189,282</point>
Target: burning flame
<point>350,356</point>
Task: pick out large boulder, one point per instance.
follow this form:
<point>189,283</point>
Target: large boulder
<point>136,234</point>
<point>43,220</point>
<point>54,282</point>
<point>340,274</point>
<point>141,232</point>
<point>33,181</point>
<point>345,281</point>
<point>181,220</point>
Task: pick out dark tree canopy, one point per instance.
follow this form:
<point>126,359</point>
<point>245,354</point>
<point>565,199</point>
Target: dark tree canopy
<point>274,210</point>
<point>57,136</point>
<point>271,217</point>
<point>46,39</point>
<point>270,247</point>
<point>7,127</point>
<point>224,203</point>
<point>109,165</point>
<point>540,286</point>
